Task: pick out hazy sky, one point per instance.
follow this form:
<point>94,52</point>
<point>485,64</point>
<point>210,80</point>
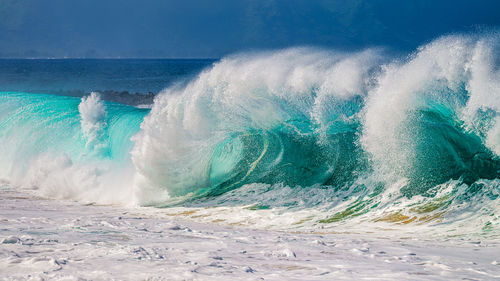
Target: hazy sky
<point>203,28</point>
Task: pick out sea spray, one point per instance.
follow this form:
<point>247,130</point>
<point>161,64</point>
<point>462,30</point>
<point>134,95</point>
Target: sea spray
<point>93,121</point>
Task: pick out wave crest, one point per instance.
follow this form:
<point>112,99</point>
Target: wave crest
<point>307,117</point>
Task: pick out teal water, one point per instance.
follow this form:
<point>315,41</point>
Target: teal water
<point>34,124</point>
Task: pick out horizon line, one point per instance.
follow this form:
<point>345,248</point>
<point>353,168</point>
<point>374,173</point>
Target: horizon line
<point>110,58</point>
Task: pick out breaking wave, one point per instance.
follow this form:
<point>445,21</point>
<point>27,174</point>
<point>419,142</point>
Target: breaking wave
<point>342,135</point>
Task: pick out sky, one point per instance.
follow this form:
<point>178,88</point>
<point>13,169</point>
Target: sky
<point>212,29</point>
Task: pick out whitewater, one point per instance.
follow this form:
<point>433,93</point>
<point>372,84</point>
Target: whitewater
<point>335,153</point>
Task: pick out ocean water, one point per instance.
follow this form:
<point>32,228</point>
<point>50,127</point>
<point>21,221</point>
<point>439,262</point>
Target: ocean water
<point>87,75</point>
<point>294,138</point>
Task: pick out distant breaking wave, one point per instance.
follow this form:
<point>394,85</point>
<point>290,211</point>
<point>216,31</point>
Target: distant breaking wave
<point>350,135</point>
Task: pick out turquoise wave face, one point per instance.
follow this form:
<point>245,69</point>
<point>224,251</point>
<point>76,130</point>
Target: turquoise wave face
<point>36,124</point>
<point>293,153</point>
<point>444,151</point>
<point>284,155</point>
<point>296,154</point>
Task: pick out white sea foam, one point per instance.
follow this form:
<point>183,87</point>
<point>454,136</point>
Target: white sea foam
<point>93,121</point>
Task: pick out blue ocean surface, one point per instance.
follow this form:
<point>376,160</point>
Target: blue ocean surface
<point>87,75</point>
